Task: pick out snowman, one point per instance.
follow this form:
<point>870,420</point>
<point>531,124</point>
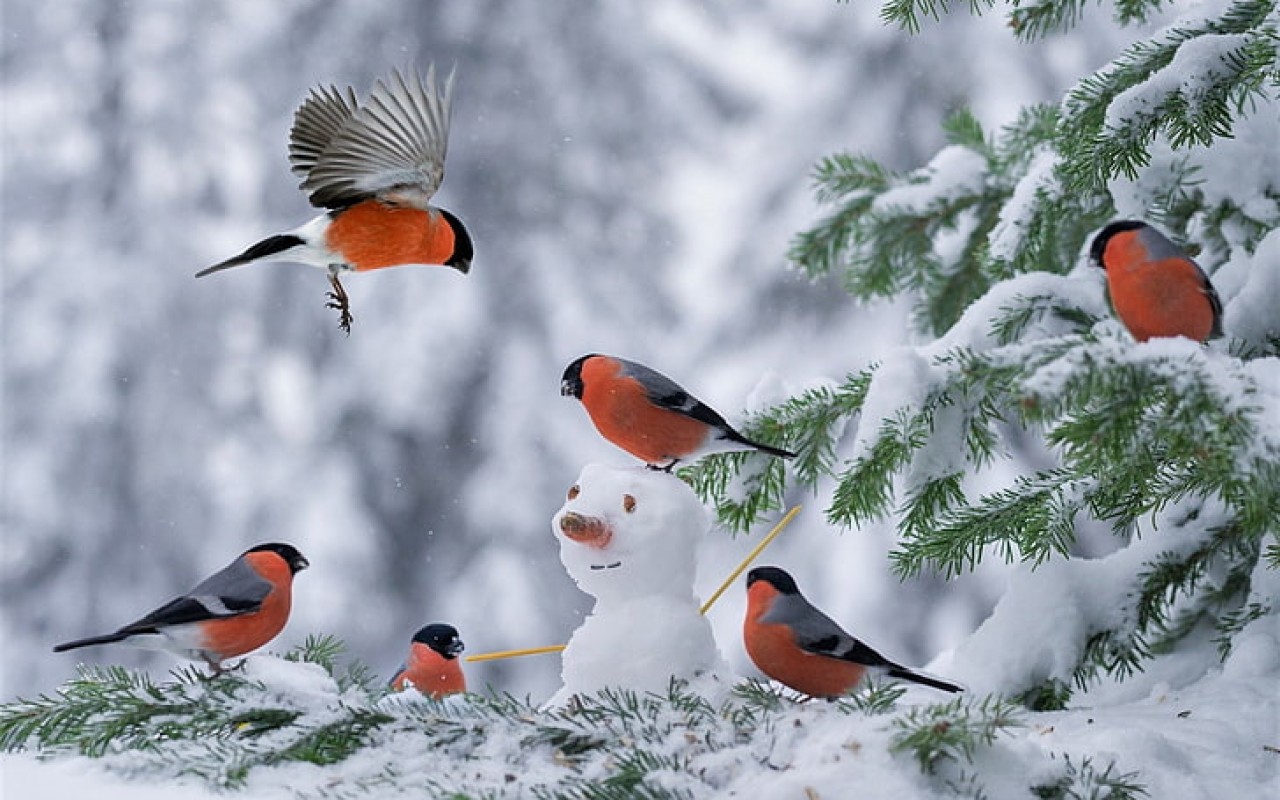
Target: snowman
<point>628,538</point>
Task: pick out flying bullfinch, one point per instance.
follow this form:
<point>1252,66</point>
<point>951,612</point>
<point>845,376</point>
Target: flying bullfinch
<point>232,612</point>
<point>647,414</point>
<point>1157,291</point>
<point>798,646</point>
<point>374,168</point>
<point>432,666</point>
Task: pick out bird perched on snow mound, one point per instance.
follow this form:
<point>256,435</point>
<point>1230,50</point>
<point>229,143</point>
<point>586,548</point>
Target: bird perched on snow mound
<point>628,537</point>
<point>374,168</point>
<point>432,664</point>
<point>232,612</point>
<point>1156,289</point>
<point>649,415</point>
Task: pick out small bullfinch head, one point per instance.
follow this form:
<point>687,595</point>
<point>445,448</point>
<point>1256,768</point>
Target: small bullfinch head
<point>441,638</point>
<point>296,561</point>
<point>463,249</point>
<point>571,381</point>
<point>775,577</point>
<point>1099,247</point>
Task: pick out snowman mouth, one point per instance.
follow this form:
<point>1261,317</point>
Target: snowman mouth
<point>614,565</point>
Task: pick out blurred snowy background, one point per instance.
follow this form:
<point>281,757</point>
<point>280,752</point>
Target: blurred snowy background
<point>631,173</point>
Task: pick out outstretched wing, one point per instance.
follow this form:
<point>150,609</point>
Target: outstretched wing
<point>393,147</point>
<point>319,120</point>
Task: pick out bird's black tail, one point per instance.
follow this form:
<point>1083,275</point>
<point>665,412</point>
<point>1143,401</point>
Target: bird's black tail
<point>734,436</point>
<point>915,677</point>
<point>267,247</point>
<point>106,638</point>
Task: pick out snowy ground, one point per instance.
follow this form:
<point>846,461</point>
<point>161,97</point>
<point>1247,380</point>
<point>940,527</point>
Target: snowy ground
<point>1189,729</point>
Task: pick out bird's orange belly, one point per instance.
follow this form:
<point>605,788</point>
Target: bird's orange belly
<point>650,433</point>
<point>235,636</point>
<point>372,235</point>
<point>772,649</point>
<point>1163,299</point>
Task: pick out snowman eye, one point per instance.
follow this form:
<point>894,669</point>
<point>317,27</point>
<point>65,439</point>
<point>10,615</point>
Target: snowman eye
<point>573,491</point>
<point>628,503</point>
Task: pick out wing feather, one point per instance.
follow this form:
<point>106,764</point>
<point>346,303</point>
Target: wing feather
<point>393,147</point>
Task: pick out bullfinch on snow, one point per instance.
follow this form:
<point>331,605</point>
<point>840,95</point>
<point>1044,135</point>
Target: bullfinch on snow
<point>798,646</point>
<point>648,415</point>
<point>432,666</point>
<point>232,612</point>
<point>1156,289</point>
<point>374,168</point>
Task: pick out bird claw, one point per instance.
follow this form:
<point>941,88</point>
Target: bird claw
<point>664,468</point>
<point>338,301</point>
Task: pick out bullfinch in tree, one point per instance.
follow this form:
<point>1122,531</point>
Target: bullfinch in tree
<point>798,646</point>
<point>232,612</point>
<point>647,414</point>
<point>1157,291</point>
<point>432,666</point>
<point>374,168</point>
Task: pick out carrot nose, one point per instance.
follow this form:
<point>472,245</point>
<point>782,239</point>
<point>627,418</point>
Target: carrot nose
<point>591,531</point>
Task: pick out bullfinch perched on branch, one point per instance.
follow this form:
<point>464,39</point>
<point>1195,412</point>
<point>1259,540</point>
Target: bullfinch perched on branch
<point>648,415</point>
<point>1157,291</point>
<point>374,168</point>
<point>432,666</point>
<point>798,646</point>
<point>232,612</point>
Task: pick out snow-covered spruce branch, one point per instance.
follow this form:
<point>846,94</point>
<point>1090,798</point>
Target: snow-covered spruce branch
<point>984,209</point>
<point>615,744</point>
<point>990,207</point>
<point>1187,84</point>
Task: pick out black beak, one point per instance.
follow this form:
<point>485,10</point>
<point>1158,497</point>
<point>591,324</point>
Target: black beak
<point>454,648</point>
<point>462,265</point>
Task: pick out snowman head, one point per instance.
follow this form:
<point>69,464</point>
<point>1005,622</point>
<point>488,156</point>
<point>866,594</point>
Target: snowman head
<point>631,532</point>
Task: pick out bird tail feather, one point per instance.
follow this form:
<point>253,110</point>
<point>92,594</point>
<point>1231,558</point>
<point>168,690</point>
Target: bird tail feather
<point>270,246</point>
<point>106,638</point>
<point>734,436</point>
<point>915,677</point>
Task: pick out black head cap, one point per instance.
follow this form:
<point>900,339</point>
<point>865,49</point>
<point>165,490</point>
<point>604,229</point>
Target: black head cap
<point>775,577</point>
<point>571,381</point>
<point>441,638</point>
<point>1100,241</point>
<point>296,561</point>
<point>463,249</point>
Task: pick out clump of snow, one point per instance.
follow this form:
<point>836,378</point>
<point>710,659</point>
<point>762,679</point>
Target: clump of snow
<point>1050,610</point>
<point>637,558</point>
<point>1253,312</point>
<point>297,678</point>
<point>954,172</point>
<point>1006,237</point>
<point>1198,64</point>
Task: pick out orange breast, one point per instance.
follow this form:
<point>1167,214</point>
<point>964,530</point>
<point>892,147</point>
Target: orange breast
<point>622,412</point>
<point>373,235</point>
<point>774,651</point>
<point>1156,298</point>
<point>431,673</point>
<point>228,638</point>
